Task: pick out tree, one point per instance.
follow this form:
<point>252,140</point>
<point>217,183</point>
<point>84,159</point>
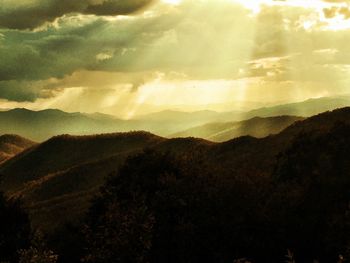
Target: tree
<point>37,252</point>
<point>14,229</point>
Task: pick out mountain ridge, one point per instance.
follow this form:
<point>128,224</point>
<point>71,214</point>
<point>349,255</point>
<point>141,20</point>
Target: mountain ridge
<point>49,174</point>
<point>44,124</point>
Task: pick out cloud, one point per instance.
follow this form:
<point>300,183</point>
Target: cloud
<point>166,42</point>
<point>337,11</point>
<point>92,52</point>
<point>29,14</point>
<point>26,91</point>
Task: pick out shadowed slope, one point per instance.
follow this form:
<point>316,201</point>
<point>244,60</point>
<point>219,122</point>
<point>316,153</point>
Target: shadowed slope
<point>63,173</point>
<point>63,152</point>
<point>11,145</point>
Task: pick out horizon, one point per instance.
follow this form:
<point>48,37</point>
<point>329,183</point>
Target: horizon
<point>180,109</point>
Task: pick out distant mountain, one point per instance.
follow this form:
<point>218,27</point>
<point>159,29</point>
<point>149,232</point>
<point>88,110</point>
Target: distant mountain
<point>42,125</point>
<point>306,108</point>
<point>11,145</point>
<point>180,116</point>
<point>179,121</point>
<point>223,131</point>
<point>170,121</point>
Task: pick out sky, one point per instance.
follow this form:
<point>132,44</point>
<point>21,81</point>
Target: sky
<point>132,57</point>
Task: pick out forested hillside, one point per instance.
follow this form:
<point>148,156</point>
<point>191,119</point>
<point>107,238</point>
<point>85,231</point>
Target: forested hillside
<point>137,196</point>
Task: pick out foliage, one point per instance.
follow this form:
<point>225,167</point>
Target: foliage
<point>14,228</point>
<point>37,252</point>
<point>188,200</point>
<point>162,207</point>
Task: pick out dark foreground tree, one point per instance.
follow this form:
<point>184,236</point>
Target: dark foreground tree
<point>14,229</point>
<point>37,252</point>
<point>121,222</point>
<point>311,200</point>
<point>165,208</point>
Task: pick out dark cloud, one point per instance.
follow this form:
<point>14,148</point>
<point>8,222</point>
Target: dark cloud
<point>156,43</point>
<point>23,91</point>
<point>179,40</point>
<point>30,14</point>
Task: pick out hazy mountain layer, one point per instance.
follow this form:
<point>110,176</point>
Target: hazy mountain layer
<point>223,131</point>
<point>42,125</point>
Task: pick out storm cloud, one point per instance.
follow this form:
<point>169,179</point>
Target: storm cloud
<point>29,14</point>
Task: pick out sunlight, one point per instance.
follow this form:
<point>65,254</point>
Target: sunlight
<point>253,5</point>
<point>337,24</point>
<point>172,2</point>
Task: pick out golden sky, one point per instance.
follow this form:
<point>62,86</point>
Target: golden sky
<point>132,57</point>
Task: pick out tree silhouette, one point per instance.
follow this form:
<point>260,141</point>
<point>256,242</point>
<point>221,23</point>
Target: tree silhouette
<point>14,229</point>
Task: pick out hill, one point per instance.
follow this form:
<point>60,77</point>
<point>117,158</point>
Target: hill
<point>11,145</point>
<point>66,151</point>
<point>223,131</point>
<point>63,173</point>
<point>197,208</point>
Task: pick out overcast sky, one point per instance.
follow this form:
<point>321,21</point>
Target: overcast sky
<point>128,57</point>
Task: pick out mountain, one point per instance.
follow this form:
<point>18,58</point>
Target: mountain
<point>223,131</point>
<point>305,108</point>
<point>66,151</point>
<point>176,116</point>
<point>168,122</point>
<point>11,145</point>
<point>236,200</point>
<point>42,125</point>
<point>63,173</point>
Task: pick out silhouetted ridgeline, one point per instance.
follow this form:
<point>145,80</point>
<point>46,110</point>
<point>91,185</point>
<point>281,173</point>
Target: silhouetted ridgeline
<point>191,200</point>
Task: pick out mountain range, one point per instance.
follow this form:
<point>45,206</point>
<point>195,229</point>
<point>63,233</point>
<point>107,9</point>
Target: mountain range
<point>42,125</point>
<point>65,172</point>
